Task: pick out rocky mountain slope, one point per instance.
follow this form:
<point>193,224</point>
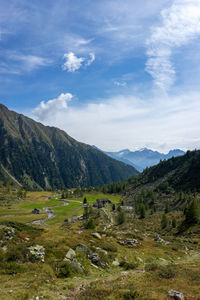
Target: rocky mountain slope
<point>40,156</point>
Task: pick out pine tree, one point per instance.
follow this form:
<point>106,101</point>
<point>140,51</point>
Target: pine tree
<point>121,217</point>
<point>174,222</point>
<point>164,221</point>
<point>167,207</point>
<point>142,211</point>
<point>85,200</point>
<point>192,213</point>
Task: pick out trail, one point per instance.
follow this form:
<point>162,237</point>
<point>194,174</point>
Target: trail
<point>86,282</point>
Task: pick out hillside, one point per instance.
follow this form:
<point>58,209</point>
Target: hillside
<point>173,180</point>
<point>40,156</point>
<point>143,158</point>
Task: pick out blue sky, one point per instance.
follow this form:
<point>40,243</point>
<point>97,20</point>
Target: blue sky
<point>116,74</point>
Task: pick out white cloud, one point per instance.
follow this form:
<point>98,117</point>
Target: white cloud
<point>74,63</point>
<point>49,109</point>
<point>90,60</point>
<point>180,24</point>
<point>130,122</point>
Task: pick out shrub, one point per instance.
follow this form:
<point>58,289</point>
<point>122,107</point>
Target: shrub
<point>130,295</point>
<point>65,269</point>
<point>151,267</point>
<point>128,265</point>
<point>166,272</point>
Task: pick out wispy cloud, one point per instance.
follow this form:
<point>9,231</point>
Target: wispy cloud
<point>47,110</point>
<point>174,123</point>
<point>180,23</point>
<point>30,62</point>
<point>73,63</point>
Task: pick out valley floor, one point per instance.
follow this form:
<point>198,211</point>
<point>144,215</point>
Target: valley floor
<point>130,262</point>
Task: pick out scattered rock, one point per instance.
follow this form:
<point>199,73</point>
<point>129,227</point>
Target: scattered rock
<point>37,253</point>
<point>8,232</point>
<point>79,267</point>
<point>115,262</point>
<point>5,248</point>
<point>139,259</point>
<point>129,242</point>
<point>82,248</point>
<point>102,251</point>
<point>96,235</point>
<point>158,239</point>
<point>70,254</point>
<point>95,259</point>
<point>175,295</point>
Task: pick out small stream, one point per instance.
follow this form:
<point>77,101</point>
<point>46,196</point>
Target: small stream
<point>50,214</point>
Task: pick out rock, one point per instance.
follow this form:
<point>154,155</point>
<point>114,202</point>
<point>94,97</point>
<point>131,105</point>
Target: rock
<point>5,248</point>
<point>102,251</point>
<point>95,259</point>
<point>115,262</point>
<point>70,254</point>
<point>8,232</point>
<point>96,235</point>
<point>175,295</point>
<point>79,267</point>
<point>82,248</point>
<point>139,259</point>
<point>158,239</point>
<point>129,242</point>
<point>37,253</point>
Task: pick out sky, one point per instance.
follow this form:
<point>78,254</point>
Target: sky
<point>111,73</point>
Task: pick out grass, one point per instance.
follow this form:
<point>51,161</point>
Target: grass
<point>128,281</point>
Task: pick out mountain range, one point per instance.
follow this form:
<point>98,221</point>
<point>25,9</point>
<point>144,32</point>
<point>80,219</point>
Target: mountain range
<point>143,158</point>
<point>39,156</point>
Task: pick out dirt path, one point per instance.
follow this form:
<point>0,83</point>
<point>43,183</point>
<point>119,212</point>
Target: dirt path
<point>86,282</point>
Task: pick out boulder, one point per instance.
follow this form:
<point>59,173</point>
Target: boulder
<point>158,239</point>
<point>175,295</point>
<point>70,254</point>
<point>82,248</point>
<point>96,235</point>
<point>78,266</point>
<point>115,262</point>
<point>95,259</point>
<point>129,242</point>
<point>8,232</point>
<point>37,253</point>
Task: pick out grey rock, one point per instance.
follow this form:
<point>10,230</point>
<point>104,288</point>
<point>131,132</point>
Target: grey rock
<point>158,239</point>
<point>175,295</point>
<point>115,262</point>
<point>37,253</point>
<point>79,267</point>
<point>82,248</point>
<point>70,254</point>
<point>96,235</point>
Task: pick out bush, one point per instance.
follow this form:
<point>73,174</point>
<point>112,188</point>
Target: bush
<point>167,272</point>
<point>65,269</point>
<point>16,254</point>
<point>130,295</point>
<point>151,267</point>
<point>128,265</point>
<point>12,268</point>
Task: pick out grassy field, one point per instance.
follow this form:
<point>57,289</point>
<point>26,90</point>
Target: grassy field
<point>147,270</point>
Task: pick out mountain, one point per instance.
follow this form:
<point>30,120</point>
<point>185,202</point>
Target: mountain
<point>143,158</point>
<point>40,156</point>
<point>180,173</point>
